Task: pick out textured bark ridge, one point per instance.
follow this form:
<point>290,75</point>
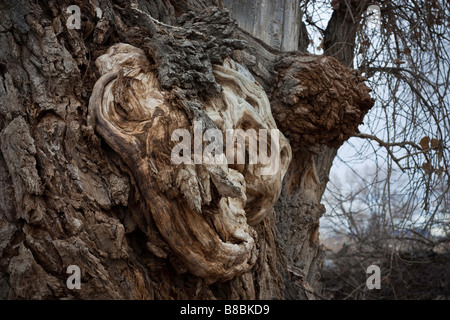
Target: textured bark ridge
<point>86,177</point>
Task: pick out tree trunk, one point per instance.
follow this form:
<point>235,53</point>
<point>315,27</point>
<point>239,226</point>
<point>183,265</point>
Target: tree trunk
<point>85,171</point>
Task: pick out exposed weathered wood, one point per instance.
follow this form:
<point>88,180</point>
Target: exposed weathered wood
<point>276,22</point>
<point>211,234</point>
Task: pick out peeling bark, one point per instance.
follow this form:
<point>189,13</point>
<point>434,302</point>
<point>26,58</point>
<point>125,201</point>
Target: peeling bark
<point>75,190</point>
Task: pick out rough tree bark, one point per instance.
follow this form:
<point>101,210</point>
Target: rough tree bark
<point>84,172</point>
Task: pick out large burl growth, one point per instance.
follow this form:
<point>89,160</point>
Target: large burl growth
<point>86,175</point>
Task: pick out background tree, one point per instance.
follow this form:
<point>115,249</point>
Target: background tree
<point>413,260</point>
<point>404,141</point>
